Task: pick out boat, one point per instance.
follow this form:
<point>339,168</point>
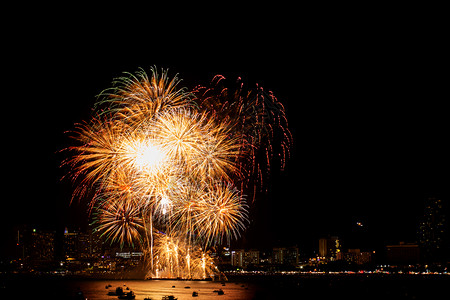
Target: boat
<point>187,287</point>
<point>219,292</point>
<point>194,294</point>
<point>117,292</point>
<point>129,295</point>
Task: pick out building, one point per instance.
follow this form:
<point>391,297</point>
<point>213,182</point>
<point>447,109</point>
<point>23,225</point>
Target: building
<point>97,244</point>
<point>241,258</point>
<point>136,255</point>
<point>329,247</point>
<point>237,258</point>
<point>42,247</point>
<point>82,245</point>
<point>432,231</point>
<point>35,247</point>
<point>223,257</point>
<point>365,258</point>
<point>356,256</point>
<point>251,257</point>
<point>403,253</point>
<point>70,245</point>
<point>278,255</point>
<point>285,256</point>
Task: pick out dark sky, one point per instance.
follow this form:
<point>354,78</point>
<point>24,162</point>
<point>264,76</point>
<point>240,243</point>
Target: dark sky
<point>366,104</point>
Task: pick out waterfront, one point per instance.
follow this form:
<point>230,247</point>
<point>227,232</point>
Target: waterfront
<point>318,286</point>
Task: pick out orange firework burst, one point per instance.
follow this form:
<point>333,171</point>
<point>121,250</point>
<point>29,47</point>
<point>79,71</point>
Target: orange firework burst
<point>119,219</point>
<point>222,213</point>
<point>136,98</point>
<point>203,147</point>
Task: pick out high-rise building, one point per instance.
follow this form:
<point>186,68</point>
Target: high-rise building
<point>35,247</point>
<point>278,255</point>
<point>329,247</point>
<point>285,256</point>
<point>237,258</point>
<point>224,256</point>
<point>42,246</point>
<point>251,257</point>
<point>97,244</point>
<point>82,245</point>
<point>356,256</point>
<point>241,258</point>
<point>403,253</point>
<point>432,231</point>
<point>70,245</point>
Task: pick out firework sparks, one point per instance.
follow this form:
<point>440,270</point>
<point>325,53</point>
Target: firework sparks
<point>120,220</point>
<point>222,214</point>
<point>162,159</point>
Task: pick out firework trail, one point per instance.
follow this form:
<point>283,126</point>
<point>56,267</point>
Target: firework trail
<point>165,163</point>
<point>258,119</point>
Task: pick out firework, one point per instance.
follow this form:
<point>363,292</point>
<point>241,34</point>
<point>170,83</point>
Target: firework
<point>222,214</point>
<point>257,119</point>
<point>137,97</point>
<point>164,164</point>
<point>119,219</point>
<point>203,147</point>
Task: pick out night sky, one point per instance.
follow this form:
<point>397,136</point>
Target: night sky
<point>366,105</point>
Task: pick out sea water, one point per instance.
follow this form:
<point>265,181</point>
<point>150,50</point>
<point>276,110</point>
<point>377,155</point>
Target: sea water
<point>255,288</point>
<point>156,289</point>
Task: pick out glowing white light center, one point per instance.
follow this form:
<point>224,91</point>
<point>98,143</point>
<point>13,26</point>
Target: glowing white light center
<point>149,156</point>
<point>146,155</point>
<point>165,202</point>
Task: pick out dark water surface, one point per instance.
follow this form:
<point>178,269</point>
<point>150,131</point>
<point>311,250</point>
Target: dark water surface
<point>245,287</point>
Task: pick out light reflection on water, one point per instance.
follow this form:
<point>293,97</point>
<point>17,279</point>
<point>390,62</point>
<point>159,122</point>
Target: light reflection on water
<point>156,289</point>
<point>263,287</point>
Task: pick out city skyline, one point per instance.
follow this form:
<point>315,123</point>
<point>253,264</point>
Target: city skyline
<point>75,251</point>
<point>432,240</point>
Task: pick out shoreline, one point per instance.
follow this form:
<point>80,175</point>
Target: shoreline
<point>232,277</point>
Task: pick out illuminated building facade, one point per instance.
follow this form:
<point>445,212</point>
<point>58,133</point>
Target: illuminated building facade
<point>329,247</point>
<point>252,257</point>
<point>42,247</point>
<point>241,258</point>
<point>35,247</point>
<point>285,256</point>
<point>237,258</point>
<point>403,253</point>
<point>356,256</point>
<point>70,245</point>
<point>432,231</point>
<point>82,245</point>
